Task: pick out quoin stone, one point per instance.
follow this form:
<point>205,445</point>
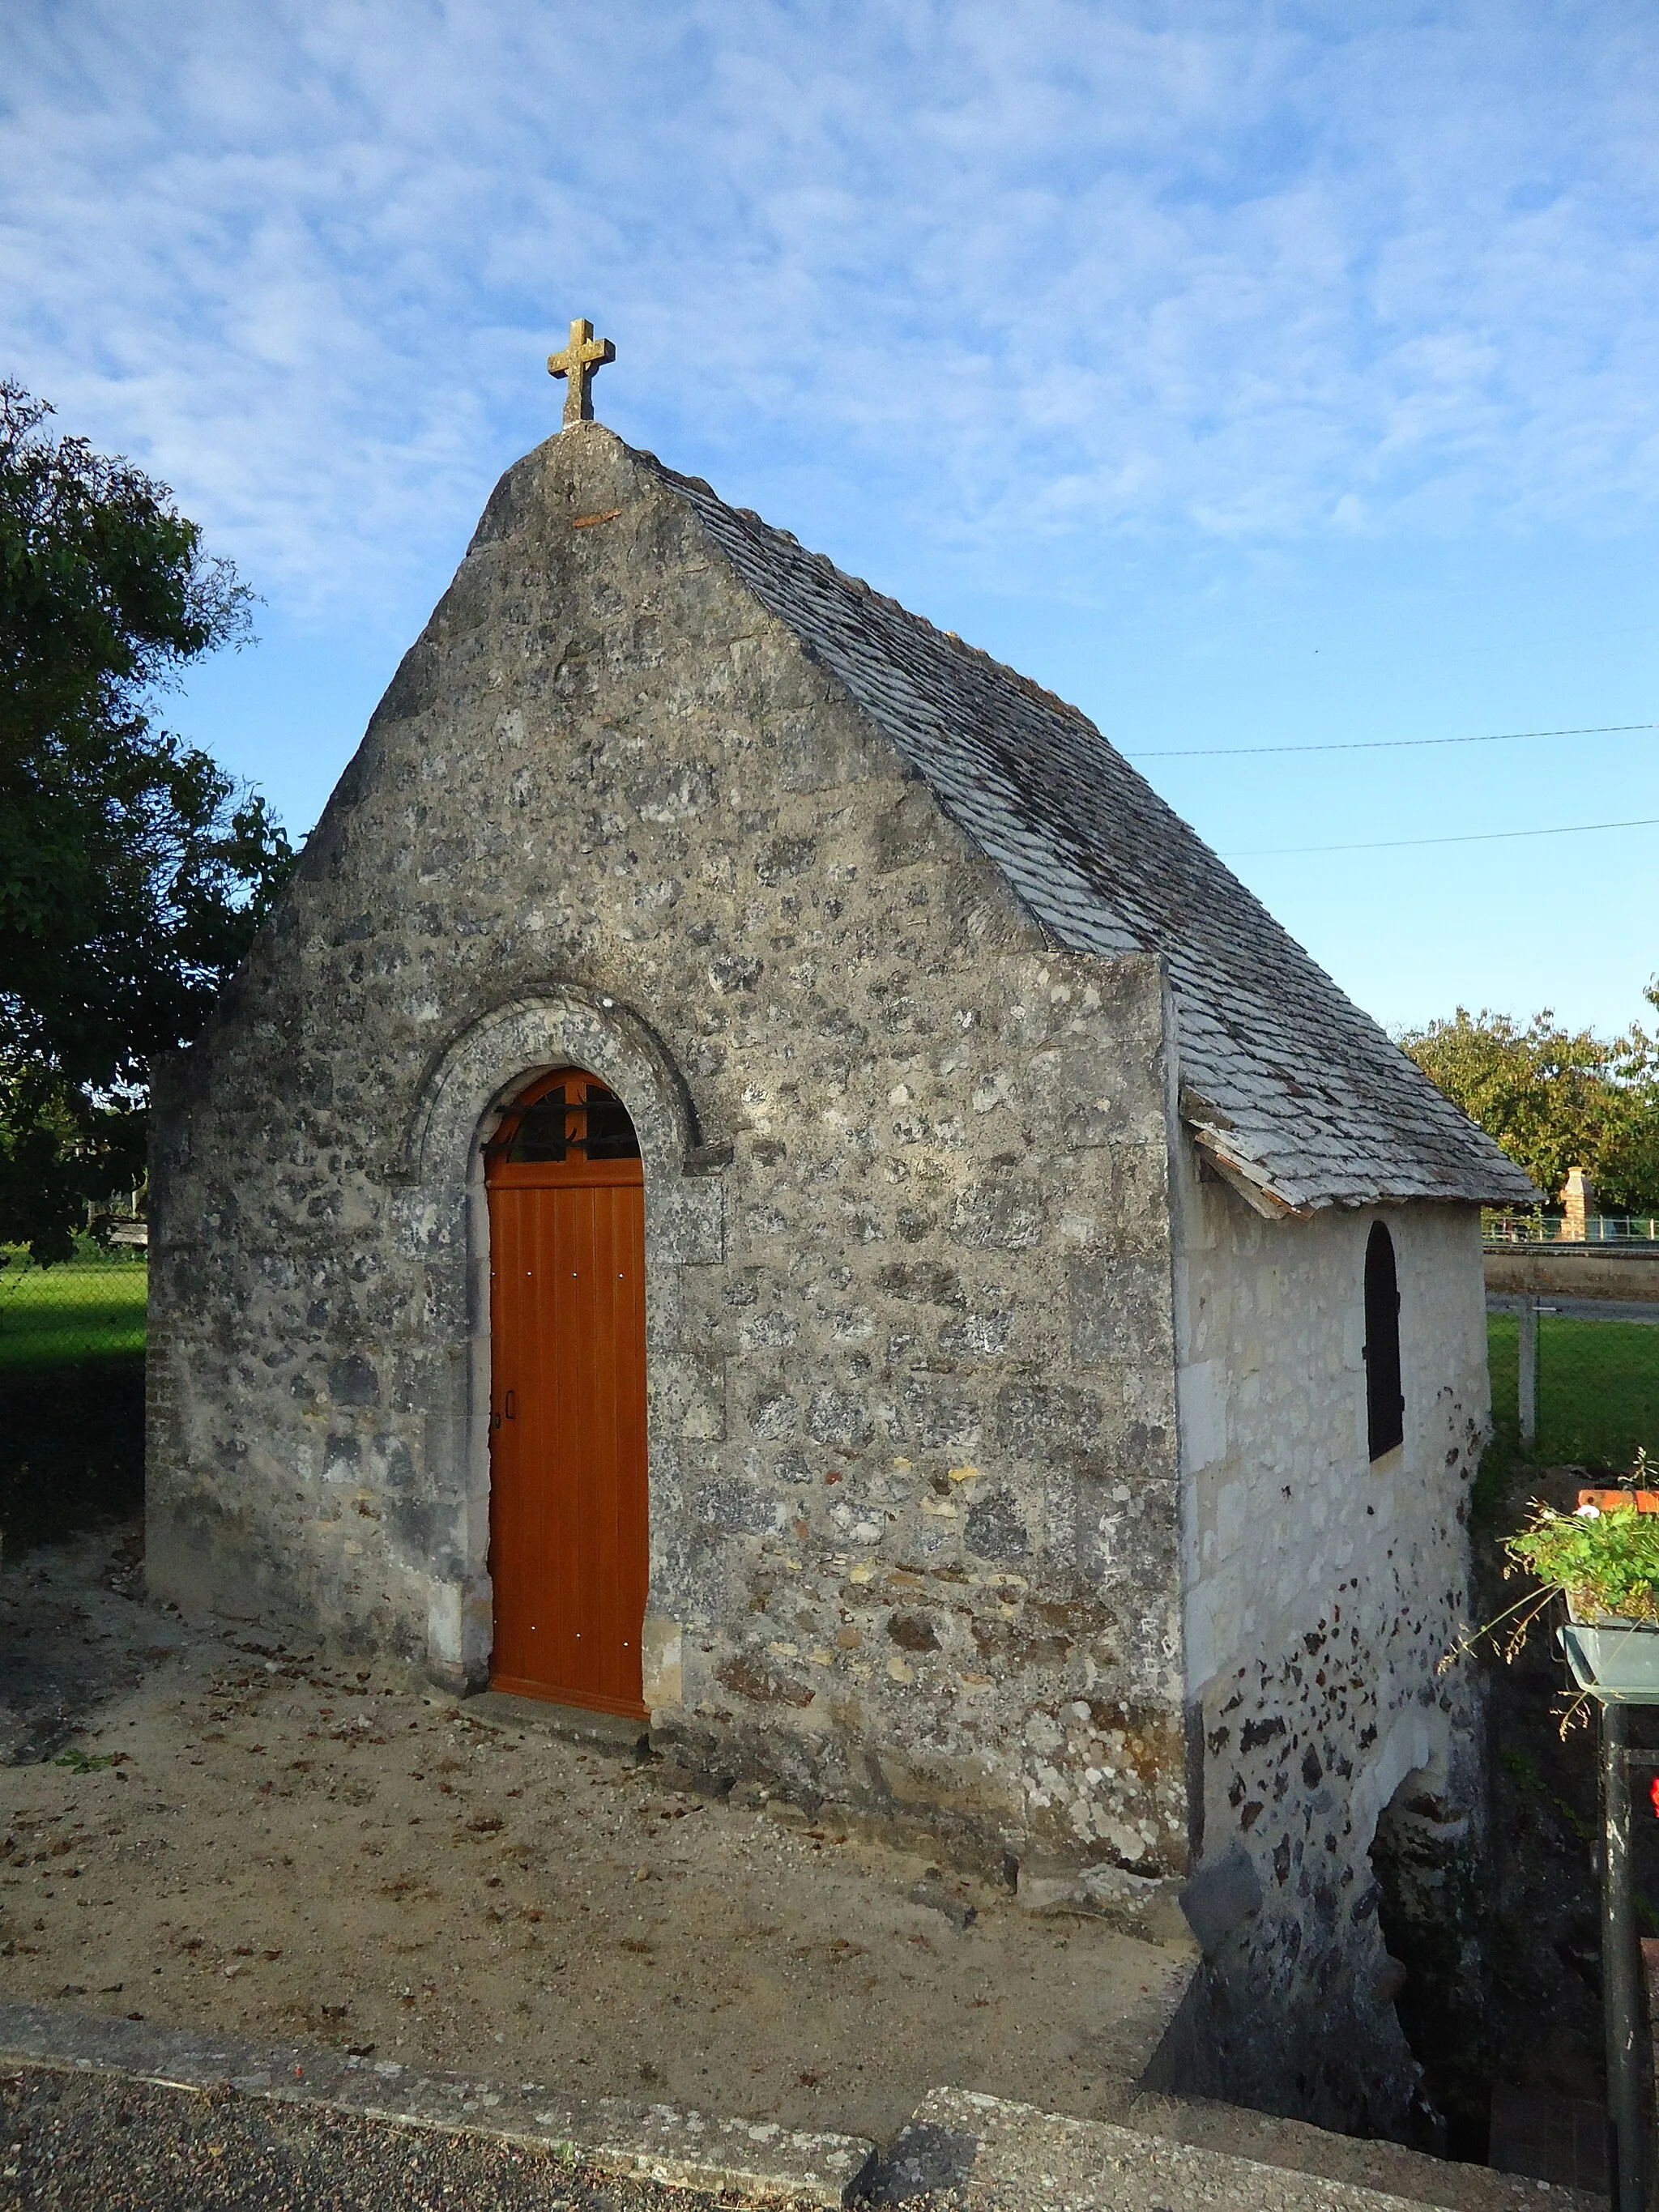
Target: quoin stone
<point>1012,1297</point>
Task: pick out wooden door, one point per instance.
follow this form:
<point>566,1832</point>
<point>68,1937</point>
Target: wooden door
<point>567,1496</point>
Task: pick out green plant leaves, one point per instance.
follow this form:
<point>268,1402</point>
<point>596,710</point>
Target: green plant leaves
<point>1604,1562</point>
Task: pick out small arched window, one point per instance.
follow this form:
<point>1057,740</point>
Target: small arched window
<point>1385,1403</point>
<point>566,1117</point>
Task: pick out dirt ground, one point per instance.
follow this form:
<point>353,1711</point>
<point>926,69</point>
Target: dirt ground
<point>204,1828</point>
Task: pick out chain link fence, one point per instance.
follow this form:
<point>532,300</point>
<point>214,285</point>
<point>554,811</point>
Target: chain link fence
<point>1586,1395</point>
<point>71,1392</point>
<point>89,1307</point>
<point>1593,1377</point>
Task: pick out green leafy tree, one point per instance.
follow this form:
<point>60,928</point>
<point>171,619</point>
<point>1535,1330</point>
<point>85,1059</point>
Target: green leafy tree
<point>1555,1098</point>
<point>133,869</point>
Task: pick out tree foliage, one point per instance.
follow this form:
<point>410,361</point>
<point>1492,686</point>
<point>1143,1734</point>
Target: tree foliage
<point>1556,1098</point>
<point>133,869</point>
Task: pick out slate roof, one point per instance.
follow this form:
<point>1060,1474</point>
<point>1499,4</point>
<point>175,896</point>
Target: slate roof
<point>1299,1096</point>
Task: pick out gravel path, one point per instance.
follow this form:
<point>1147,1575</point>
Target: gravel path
<point>71,2142</point>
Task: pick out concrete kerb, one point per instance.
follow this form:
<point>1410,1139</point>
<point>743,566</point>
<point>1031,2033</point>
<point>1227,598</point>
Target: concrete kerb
<point>683,2150</point>
<point>981,2153</point>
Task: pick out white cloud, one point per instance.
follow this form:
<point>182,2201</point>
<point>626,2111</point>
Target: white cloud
<point>1058,269</point>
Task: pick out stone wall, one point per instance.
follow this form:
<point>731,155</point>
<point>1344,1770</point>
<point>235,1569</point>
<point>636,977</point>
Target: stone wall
<point>913,1488</point>
<point>1575,1271</point>
<point>1322,1593</point>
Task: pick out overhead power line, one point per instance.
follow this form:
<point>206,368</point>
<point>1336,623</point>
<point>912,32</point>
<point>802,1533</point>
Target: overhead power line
<point>1391,744</point>
<point>1470,837</point>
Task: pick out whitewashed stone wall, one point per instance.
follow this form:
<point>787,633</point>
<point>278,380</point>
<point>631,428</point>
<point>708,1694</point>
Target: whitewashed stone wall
<point>1320,1594</point>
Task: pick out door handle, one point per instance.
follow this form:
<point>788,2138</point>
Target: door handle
<point>509,1406</point>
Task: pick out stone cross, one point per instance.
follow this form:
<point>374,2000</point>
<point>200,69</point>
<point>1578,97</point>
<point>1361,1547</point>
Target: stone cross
<point>580,358</point>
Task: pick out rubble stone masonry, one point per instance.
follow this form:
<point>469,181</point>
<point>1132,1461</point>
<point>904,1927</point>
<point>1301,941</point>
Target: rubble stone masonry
<point>913,1459</point>
<point>1008,1471</point>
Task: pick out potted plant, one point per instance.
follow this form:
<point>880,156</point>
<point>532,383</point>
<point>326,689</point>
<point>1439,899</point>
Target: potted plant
<point>1603,1559</point>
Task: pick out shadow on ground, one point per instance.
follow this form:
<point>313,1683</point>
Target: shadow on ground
<point>71,1450</point>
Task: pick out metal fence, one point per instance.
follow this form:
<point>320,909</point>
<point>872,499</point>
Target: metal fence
<point>1498,1230</point>
<point>1574,1382</point>
<point>87,1308</point>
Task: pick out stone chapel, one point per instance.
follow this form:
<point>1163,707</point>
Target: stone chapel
<point>760,1180</point>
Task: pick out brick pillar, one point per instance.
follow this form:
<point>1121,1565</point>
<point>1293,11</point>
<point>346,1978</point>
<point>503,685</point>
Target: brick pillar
<point>1579,1197</point>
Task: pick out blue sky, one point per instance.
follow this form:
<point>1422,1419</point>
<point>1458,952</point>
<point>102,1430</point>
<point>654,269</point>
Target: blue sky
<point>1256,376</point>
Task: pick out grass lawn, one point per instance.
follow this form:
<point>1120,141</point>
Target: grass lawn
<point>72,1395</point>
<point>88,1308</point>
<point>1598,1390</point>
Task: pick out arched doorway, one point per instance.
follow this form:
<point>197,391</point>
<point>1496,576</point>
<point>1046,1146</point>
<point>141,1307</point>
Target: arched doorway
<point>568,1525</point>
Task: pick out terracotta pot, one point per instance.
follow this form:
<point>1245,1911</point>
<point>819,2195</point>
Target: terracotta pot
<point>1621,1501</point>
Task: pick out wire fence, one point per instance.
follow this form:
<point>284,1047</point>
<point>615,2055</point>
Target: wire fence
<point>71,1392</point>
<point>1498,1229</point>
<point>1594,1378</point>
<point>87,1308</point>
<point>1593,1385</point>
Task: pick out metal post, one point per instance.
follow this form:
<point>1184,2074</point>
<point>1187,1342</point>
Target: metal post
<point>1621,1970</point>
<point>1529,1364</point>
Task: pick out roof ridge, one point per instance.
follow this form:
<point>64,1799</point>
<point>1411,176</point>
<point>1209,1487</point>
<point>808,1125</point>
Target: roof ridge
<point>1314,1092</point>
<point>868,591</point>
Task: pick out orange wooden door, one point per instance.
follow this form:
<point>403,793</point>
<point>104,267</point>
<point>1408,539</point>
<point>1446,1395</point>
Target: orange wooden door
<point>568,1524</point>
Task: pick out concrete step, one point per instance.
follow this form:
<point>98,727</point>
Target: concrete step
<point>1178,2155</point>
<point>605,1731</point>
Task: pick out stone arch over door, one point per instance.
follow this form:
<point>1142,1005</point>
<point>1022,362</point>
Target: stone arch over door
<point>444,1220</point>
